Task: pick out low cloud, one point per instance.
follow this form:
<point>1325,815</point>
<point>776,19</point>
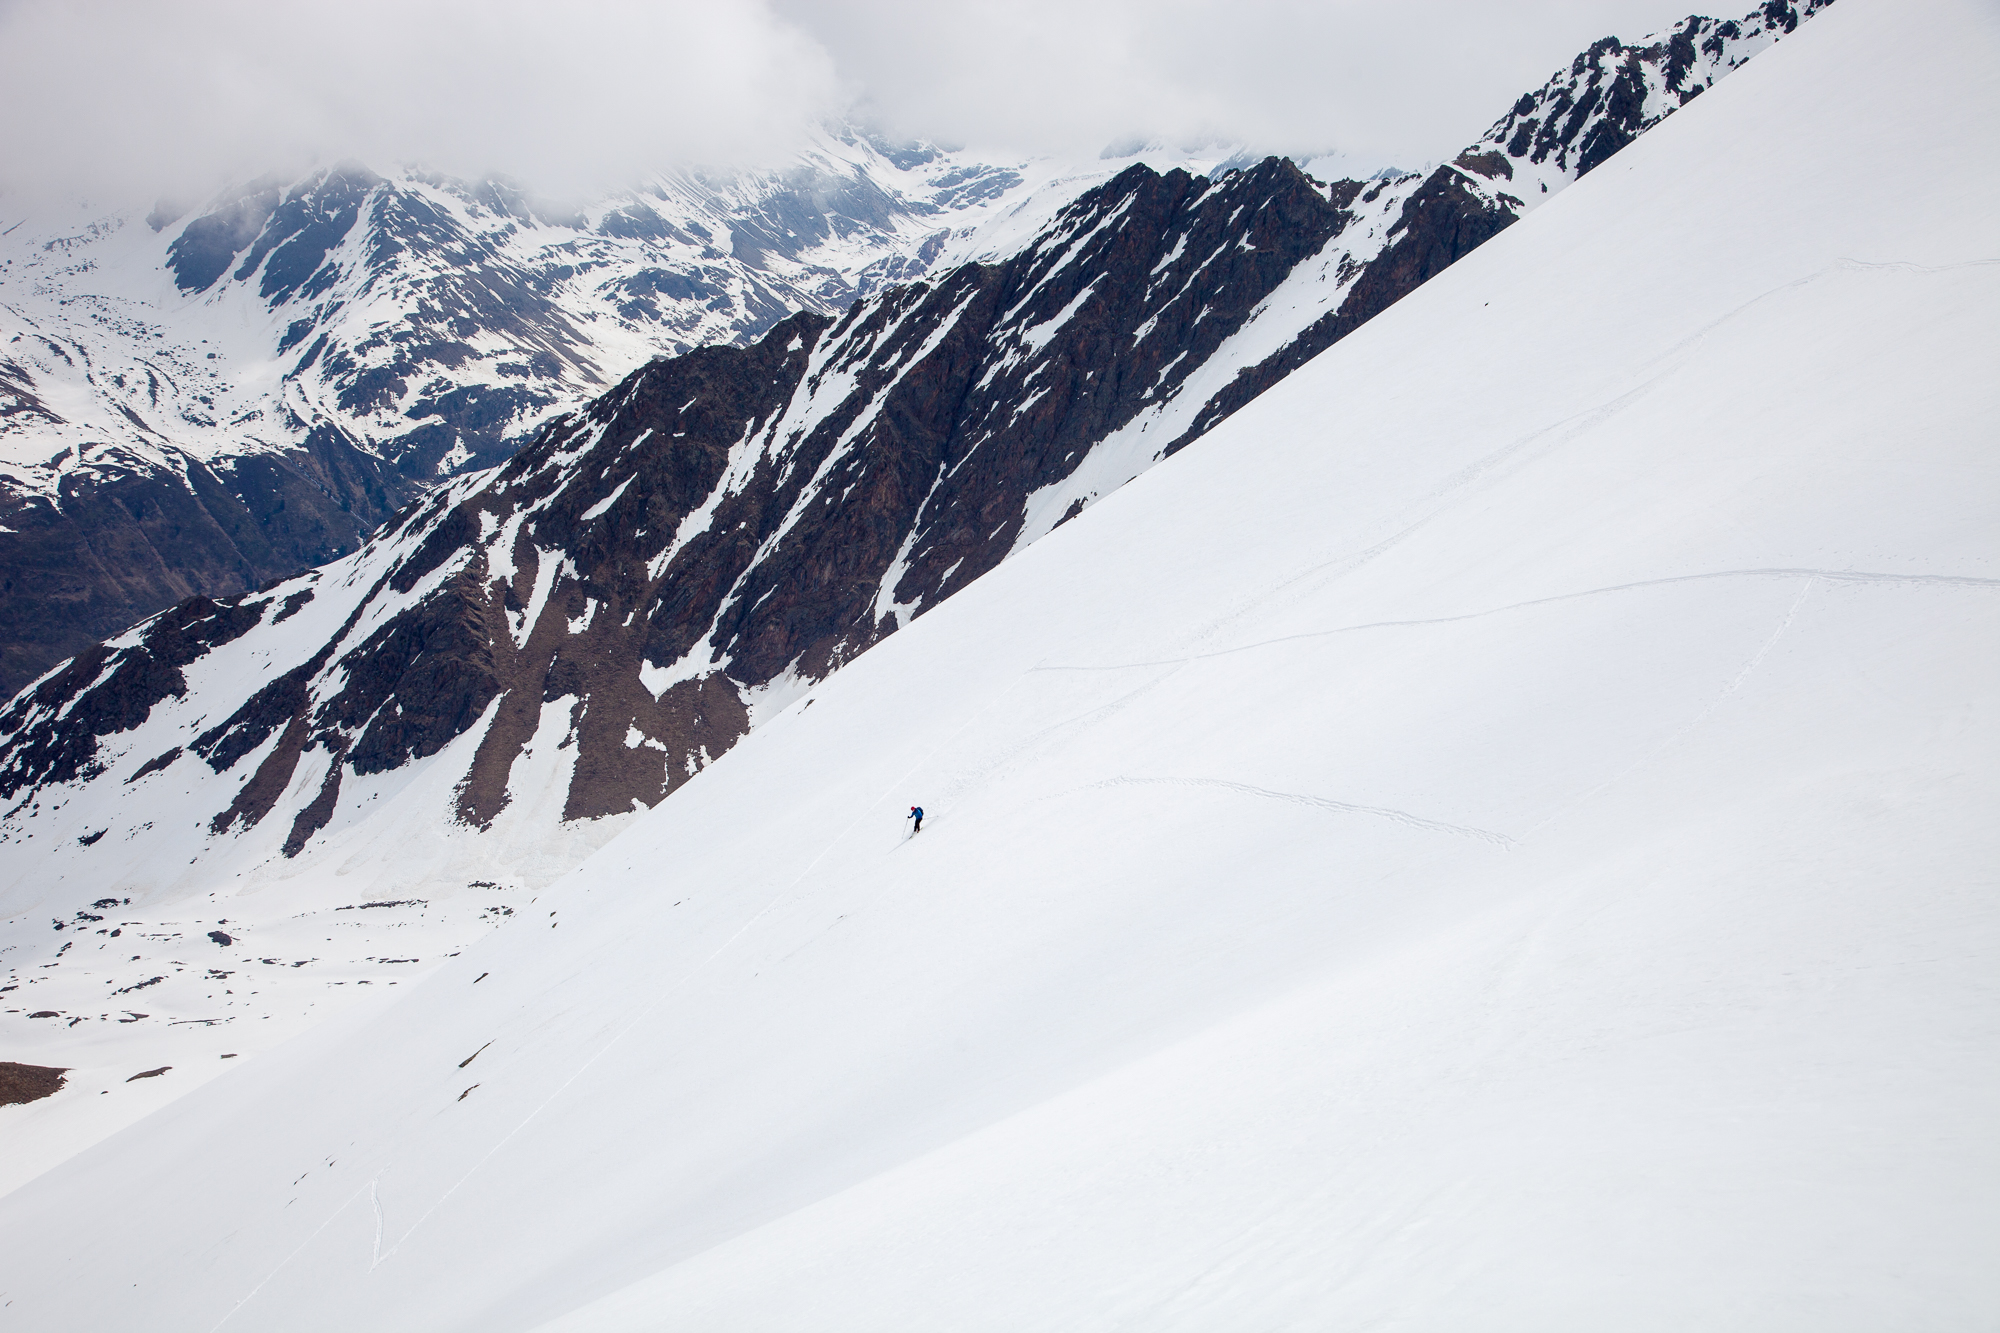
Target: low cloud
<point>1367,78</point>
<point>172,99</point>
<point>177,96</point>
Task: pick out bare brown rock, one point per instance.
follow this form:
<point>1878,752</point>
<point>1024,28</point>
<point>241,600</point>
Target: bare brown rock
<point>28,1083</point>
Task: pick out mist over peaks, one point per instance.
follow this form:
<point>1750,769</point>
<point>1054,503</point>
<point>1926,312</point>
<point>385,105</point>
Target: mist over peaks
<point>181,98</point>
<point>123,97</point>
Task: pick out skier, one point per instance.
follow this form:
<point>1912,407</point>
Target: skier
<point>916,814</point>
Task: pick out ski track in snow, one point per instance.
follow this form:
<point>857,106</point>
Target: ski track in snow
<point>1319,802</point>
<point>1685,729</point>
<point>1828,575</point>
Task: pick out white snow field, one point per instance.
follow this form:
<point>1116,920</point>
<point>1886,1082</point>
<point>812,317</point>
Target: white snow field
<point>1498,836</point>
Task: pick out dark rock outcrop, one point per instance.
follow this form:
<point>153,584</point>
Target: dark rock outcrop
<point>122,536</point>
<point>1613,92</point>
<point>28,1083</point>
<point>1441,222</point>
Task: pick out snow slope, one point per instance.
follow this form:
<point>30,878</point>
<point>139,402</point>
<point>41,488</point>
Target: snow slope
<point>1518,857</point>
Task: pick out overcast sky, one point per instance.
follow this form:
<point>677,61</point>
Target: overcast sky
<point>142,96</point>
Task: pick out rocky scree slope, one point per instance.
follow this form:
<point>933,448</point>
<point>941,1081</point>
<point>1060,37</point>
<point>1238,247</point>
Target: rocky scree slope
<point>197,401</point>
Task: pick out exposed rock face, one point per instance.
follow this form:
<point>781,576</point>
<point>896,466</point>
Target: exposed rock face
<point>114,541</point>
<point>28,1083</point>
<point>1443,219</point>
<point>1612,93</point>
<point>609,610</point>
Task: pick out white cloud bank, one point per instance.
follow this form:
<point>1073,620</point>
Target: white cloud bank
<point>168,95</point>
<point>132,96</point>
<point>1379,80</point>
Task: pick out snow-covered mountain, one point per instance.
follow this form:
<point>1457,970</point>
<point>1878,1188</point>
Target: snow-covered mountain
<point>436,321</point>
<point>200,401</point>
<point>411,741</point>
<point>1516,856</point>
